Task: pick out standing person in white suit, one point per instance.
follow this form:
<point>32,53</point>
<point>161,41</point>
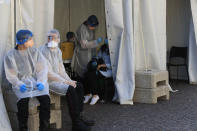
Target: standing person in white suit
<point>85,47</point>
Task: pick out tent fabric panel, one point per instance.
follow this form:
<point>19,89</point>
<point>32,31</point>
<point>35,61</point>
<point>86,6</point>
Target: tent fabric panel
<point>150,29</point>
<point>4,36</point>
<point>37,16</point>
<point>120,32</point>
<point>192,61</point>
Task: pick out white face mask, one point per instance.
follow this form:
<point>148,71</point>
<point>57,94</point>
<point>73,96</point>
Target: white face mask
<point>52,44</point>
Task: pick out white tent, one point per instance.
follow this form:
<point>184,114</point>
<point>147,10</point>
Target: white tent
<point>136,30</point>
<point>137,40</point>
<point>4,7</point>
<point>35,15</point>
<point>128,24</point>
<point>193,44</point>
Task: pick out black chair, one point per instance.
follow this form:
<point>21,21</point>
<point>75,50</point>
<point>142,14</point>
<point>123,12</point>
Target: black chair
<point>178,53</point>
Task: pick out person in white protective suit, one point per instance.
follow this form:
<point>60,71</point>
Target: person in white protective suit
<point>60,83</point>
<point>86,45</point>
<point>26,69</point>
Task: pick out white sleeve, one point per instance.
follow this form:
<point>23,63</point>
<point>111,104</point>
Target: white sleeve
<point>62,70</point>
<point>89,44</point>
<point>52,76</point>
<point>41,69</point>
<point>11,73</point>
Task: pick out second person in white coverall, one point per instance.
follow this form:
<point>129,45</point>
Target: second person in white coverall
<point>60,83</point>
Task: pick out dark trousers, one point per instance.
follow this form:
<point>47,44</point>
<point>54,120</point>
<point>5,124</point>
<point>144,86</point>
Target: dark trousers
<point>106,86</point>
<point>91,83</point>
<point>102,83</point>
<point>75,101</point>
<point>96,84</point>
<point>23,112</point>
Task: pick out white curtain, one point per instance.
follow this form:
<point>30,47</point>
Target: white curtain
<point>37,16</point>
<point>4,24</point>
<point>140,26</point>
<point>150,34</point>
<point>193,44</point>
<point>120,34</point>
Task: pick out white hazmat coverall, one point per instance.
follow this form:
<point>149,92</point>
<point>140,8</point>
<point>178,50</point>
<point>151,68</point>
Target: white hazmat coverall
<point>26,67</point>
<point>84,49</point>
<point>57,75</point>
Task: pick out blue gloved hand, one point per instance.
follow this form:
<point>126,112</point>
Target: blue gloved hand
<point>94,63</point>
<point>40,86</point>
<point>99,40</point>
<point>23,88</point>
<point>106,41</point>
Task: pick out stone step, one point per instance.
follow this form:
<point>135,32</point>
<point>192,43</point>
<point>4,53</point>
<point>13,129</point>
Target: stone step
<point>56,118</point>
<point>146,95</point>
<point>151,78</point>
<point>11,102</point>
<point>33,120</point>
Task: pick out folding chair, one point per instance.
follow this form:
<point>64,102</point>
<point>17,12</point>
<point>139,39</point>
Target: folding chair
<point>181,54</point>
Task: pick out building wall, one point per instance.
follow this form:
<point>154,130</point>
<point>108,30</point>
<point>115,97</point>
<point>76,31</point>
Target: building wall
<point>177,20</point>
<point>177,24</point>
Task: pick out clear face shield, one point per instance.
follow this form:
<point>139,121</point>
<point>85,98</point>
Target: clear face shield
<point>53,41</point>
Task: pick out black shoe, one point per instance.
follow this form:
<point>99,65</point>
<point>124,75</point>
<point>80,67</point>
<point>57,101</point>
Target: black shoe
<point>87,121</point>
<point>80,126</point>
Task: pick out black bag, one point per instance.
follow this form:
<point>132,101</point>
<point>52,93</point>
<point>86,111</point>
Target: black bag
<point>92,64</point>
<point>101,61</point>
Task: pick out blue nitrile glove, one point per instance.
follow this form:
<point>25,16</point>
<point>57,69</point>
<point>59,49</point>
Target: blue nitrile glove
<point>106,41</point>
<point>94,63</point>
<point>23,88</point>
<point>40,86</point>
<point>99,40</point>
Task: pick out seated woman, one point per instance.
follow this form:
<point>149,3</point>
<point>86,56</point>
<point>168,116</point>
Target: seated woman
<point>105,68</point>
<point>98,69</point>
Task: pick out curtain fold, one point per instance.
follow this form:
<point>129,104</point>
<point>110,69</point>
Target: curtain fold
<point>119,22</point>
<point>5,8</point>
<point>192,62</point>
<point>150,34</point>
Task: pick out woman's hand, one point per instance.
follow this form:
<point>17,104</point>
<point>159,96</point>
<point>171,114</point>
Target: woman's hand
<point>101,65</point>
<point>71,83</point>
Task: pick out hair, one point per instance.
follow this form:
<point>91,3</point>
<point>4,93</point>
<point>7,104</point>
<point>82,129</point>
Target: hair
<point>92,21</point>
<point>70,35</point>
<point>104,48</point>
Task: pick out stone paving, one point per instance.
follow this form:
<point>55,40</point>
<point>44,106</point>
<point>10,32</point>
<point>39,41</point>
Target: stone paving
<point>177,114</point>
